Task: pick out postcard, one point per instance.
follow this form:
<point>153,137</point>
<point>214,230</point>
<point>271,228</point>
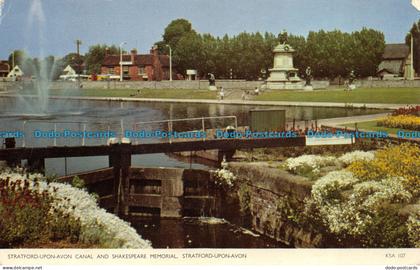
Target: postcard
<point>193,132</point>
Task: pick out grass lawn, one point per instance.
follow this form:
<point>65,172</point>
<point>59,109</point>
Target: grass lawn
<point>144,93</point>
<point>372,126</point>
<point>361,95</point>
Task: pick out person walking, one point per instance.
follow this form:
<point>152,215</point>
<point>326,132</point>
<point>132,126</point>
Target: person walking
<point>222,93</point>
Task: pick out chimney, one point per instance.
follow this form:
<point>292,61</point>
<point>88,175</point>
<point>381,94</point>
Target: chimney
<point>157,66</point>
<point>154,51</point>
<point>133,55</point>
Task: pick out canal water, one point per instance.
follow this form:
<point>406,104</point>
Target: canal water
<point>24,115</point>
<point>204,232</point>
<point>78,115</point>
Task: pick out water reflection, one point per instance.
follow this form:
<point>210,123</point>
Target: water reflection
<point>194,233</point>
<point>117,116</point>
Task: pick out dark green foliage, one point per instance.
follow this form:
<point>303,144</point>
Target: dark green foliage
<point>27,216</point>
<point>249,55</point>
<point>78,182</point>
<point>96,55</point>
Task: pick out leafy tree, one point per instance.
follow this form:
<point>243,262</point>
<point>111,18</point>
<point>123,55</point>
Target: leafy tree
<point>94,57</point>
<point>175,31</point>
<point>19,58</point>
<point>188,55</point>
<point>366,50</point>
<point>299,45</point>
<point>249,56</point>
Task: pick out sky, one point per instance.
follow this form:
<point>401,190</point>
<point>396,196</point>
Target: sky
<point>51,27</point>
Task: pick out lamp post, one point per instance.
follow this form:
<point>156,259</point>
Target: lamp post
<point>412,59</point>
<point>78,43</point>
<point>13,60</point>
<point>170,62</point>
<point>121,61</point>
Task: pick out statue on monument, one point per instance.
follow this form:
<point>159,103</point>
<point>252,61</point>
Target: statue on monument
<point>282,37</point>
<point>308,77</point>
<point>212,82</point>
<point>351,86</point>
<point>212,79</point>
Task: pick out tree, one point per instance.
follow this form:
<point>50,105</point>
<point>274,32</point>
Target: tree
<point>175,31</point>
<point>367,47</point>
<point>299,58</point>
<point>249,56</point>
<point>95,57</point>
<point>17,57</point>
<point>188,55</point>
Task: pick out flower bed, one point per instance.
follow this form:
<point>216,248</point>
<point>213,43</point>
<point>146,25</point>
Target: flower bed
<point>413,110</point>
<point>362,202</point>
<point>310,165</point>
<point>402,160</point>
<point>94,225</point>
<point>410,122</point>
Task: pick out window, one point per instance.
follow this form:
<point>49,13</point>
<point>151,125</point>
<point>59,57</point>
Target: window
<point>142,71</point>
<point>125,70</point>
<point>111,70</point>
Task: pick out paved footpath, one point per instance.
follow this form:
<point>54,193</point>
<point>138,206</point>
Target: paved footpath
<point>235,101</point>
<point>245,102</point>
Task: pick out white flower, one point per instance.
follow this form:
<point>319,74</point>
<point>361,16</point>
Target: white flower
<point>83,206</point>
<point>224,177</point>
<point>348,158</point>
<point>312,161</point>
<point>348,205</point>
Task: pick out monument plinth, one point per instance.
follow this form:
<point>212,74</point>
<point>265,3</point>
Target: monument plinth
<point>283,75</point>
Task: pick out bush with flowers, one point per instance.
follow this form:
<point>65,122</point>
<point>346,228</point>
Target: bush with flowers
<point>364,211</point>
<point>413,226</point>
<point>74,212</point>
<point>410,122</point>
<point>224,177</point>
<point>362,202</point>
<point>308,165</point>
<point>27,216</point>
<point>351,157</point>
<point>400,160</point>
<point>413,110</point>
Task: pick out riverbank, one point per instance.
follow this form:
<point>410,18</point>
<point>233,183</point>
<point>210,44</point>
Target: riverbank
<point>361,97</point>
<point>383,106</point>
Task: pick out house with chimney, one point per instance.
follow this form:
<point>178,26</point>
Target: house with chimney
<point>396,62</point>
<point>137,67</point>
<point>4,68</point>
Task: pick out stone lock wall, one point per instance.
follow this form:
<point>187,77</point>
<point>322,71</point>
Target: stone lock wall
<point>275,199</point>
<point>163,192</point>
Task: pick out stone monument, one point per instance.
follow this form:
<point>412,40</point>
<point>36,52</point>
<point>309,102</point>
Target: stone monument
<point>351,85</point>
<point>212,82</point>
<point>308,78</point>
<point>283,75</point>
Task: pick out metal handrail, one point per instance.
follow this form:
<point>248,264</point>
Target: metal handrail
<point>61,122</point>
<point>171,121</point>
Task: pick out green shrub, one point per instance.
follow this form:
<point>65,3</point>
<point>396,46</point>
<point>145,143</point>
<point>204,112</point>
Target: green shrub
<point>27,216</point>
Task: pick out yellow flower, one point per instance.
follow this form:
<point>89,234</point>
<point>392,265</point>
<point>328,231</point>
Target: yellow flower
<point>402,160</point>
<point>411,122</point>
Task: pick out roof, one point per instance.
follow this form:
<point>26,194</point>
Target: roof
<point>4,67</point>
<point>396,51</point>
<point>392,66</point>
<point>139,60</point>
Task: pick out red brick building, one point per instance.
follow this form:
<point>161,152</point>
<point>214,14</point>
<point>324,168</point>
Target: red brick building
<point>4,68</point>
<point>138,67</point>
